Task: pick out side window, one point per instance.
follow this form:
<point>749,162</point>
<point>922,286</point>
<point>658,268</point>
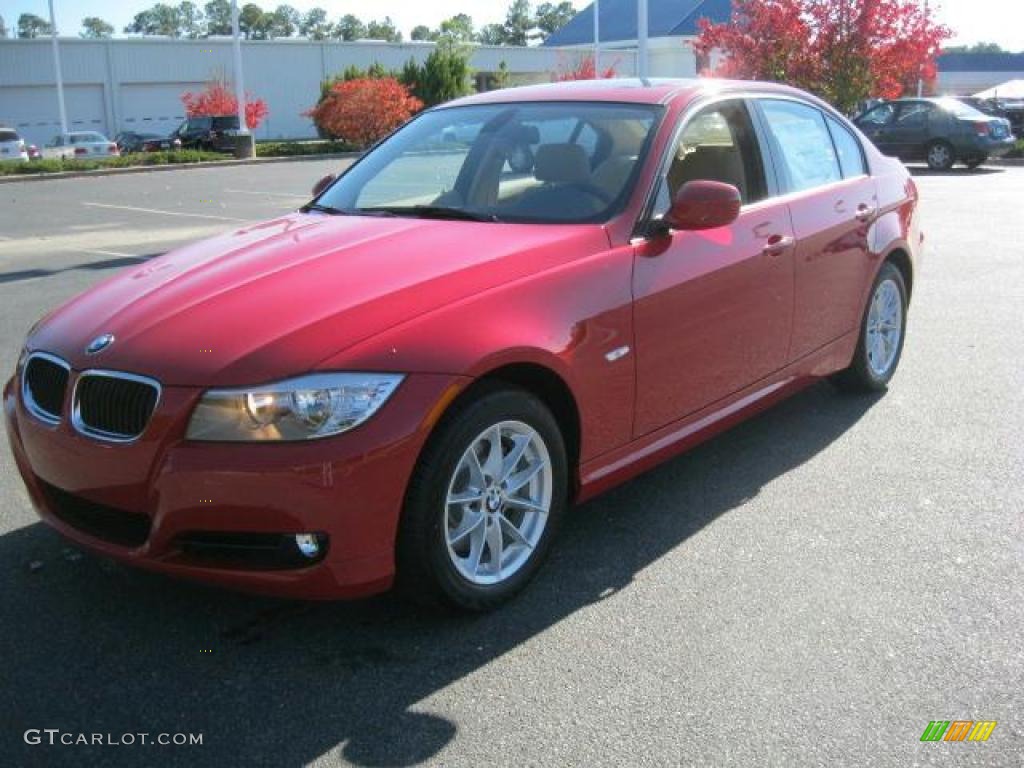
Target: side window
<point>878,116</point>
<point>807,157</point>
<point>851,157</point>
<point>717,144</point>
<point>914,115</point>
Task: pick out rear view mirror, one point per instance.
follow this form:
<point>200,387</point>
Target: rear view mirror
<point>323,184</point>
<point>704,205</point>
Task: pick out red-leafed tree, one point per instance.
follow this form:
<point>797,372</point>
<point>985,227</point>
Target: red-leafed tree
<point>583,69</point>
<point>217,99</point>
<point>843,50</point>
<point>363,110</point>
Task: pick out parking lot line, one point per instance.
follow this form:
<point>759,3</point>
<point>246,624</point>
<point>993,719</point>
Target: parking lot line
<point>268,194</point>
<point>165,213</point>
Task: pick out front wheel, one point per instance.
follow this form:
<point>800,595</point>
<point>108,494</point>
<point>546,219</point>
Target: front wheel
<point>880,345</point>
<point>484,502</point>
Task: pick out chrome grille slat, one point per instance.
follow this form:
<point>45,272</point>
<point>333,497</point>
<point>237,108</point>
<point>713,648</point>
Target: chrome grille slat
<point>113,405</point>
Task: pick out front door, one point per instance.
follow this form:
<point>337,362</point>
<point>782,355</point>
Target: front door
<point>713,308</point>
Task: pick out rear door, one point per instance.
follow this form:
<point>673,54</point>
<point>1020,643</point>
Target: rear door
<point>712,308</point>
<point>833,203</point>
<point>915,124</point>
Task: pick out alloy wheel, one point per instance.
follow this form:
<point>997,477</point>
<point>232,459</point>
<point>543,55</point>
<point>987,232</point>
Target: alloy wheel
<point>884,327</point>
<point>498,502</point>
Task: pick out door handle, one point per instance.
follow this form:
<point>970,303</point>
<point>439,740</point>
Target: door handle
<point>777,244</point>
<point>866,212</point>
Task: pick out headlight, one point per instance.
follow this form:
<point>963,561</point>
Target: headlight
<point>304,408</point>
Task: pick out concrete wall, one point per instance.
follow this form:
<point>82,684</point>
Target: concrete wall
<point>135,84</point>
<point>967,83</point>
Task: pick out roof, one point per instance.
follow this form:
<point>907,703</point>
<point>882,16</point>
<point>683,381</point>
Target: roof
<point>665,18</point>
<point>979,62</point>
<point>623,90</point>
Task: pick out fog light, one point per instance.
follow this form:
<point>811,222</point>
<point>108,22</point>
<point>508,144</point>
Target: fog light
<point>308,544</point>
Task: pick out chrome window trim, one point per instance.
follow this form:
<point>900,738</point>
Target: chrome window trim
<point>26,396</point>
<point>99,434</point>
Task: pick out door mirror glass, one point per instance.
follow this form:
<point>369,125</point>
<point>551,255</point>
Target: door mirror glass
<point>323,184</point>
<point>704,205</point>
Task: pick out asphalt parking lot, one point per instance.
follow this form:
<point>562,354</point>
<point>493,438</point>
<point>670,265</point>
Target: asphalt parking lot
<point>809,589</point>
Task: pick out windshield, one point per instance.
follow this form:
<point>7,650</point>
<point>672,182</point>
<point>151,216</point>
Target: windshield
<point>530,162</point>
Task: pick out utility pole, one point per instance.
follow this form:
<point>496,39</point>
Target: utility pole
<point>597,38</point>
<point>920,79</point>
<point>641,37</point>
<point>57,72</point>
<point>244,146</point>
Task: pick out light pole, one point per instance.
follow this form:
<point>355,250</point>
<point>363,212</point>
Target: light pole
<point>641,37</point>
<point>597,38</point>
<point>57,72</point>
<point>920,80</point>
<point>243,142</point>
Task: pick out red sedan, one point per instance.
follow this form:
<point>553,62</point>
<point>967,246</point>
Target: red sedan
<point>513,303</point>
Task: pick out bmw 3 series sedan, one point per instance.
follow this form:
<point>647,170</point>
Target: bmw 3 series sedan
<point>409,380</point>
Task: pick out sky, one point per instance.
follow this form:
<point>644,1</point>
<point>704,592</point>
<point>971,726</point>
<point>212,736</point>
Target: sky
<point>999,21</point>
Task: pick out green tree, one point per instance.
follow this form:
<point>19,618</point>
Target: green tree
<point>551,17</point>
<point>315,25</point>
<point>253,23</point>
<point>218,17</point>
<point>458,29</point>
<point>421,32</point>
<point>284,22</point>
<point>96,28</point>
<point>190,20</point>
<point>30,26</point>
<point>349,27</point>
<point>976,48</point>
<point>518,23</point>
<point>444,75</point>
<point>161,19</point>
<point>383,30</point>
<point>493,34</point>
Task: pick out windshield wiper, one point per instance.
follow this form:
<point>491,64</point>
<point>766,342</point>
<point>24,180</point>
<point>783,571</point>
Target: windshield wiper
<point>322,209</point>
<point>431,212</point>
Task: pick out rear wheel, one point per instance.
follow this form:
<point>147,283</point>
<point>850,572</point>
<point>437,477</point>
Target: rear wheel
<point>880,345</point>
<point>940,156</point>
<point>484,502</point>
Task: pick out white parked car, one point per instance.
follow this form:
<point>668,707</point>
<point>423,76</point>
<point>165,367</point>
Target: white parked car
<point>11,145</point>
<point>81,144</point>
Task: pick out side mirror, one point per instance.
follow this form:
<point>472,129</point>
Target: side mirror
<point>323,184</point>
<point>704,205</point>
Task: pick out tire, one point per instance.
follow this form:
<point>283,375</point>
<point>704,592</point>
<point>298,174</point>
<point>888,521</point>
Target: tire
<point>940,155</point>
<point>875,362</point>
<point>439,540</point>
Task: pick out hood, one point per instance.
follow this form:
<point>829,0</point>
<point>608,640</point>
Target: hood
<point>274,299</point>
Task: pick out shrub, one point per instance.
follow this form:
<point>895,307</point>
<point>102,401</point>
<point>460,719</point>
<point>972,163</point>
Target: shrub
<point>444,75</point>
<point>363,110</point>
<point>582,69</point>
<point>217,99</point>
<point>294,148</point>
<point>56,165</point>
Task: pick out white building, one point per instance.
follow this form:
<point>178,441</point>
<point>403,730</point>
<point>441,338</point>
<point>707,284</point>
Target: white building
<point>135,84</point>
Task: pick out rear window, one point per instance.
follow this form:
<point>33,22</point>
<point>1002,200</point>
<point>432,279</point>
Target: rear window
<point>8,135</point>
<point>225,123</point>
<point>86,138</point>
<point>958,108</point>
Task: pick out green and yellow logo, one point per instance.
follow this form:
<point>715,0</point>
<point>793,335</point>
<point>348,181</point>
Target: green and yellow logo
<point>958,730</point>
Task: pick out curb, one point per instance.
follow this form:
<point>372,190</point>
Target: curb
<point>15,178</point>
<point>1010,161</point>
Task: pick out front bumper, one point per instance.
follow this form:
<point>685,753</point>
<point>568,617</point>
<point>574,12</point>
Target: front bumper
<point>165,489</point>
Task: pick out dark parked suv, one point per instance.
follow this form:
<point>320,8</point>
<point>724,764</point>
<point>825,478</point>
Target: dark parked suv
<point>939,131</point>
<point>208,132</point>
